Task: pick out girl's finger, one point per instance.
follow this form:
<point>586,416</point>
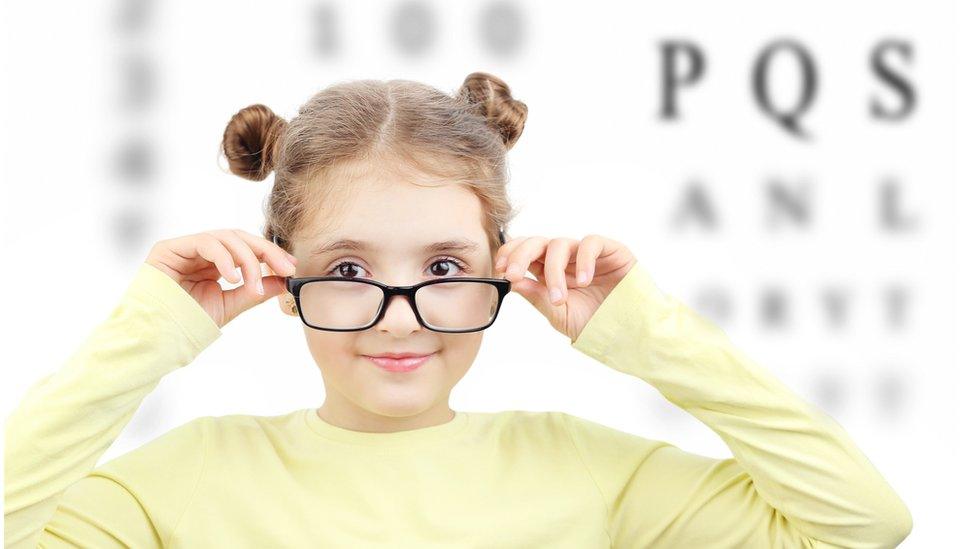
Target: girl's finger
<point>590,248</point>
<point>270,253</point>
<point>210,272</point>
<point>505,250</point>
<point>244,257</point>
<point>520,258</point>
<point>242,298</point>
<point>537,268</point>
<point>210,248</point>
<point>558,255</point>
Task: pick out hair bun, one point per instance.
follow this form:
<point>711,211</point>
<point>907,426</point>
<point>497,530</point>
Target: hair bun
<point>250,141</point>
<point>504,113</point>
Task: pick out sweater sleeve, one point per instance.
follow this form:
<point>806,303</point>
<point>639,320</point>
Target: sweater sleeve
<point>69,418</point>
<point>796,479</point>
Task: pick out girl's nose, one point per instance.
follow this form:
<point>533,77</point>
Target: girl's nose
<point>399,317</point>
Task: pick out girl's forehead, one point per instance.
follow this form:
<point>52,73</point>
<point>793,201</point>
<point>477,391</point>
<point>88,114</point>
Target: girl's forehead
<point>424,217</point>
<point>420,246</point>
<point>385,225</point>
<point>375,212</point>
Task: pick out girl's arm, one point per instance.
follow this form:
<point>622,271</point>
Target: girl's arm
<point>68,419</point>
<point>796,478</point>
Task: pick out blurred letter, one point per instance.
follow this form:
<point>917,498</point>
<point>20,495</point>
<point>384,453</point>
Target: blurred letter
<point>896,299</point>
<point>786,202</point>
<point>670,80</point>
<point>774,307</point>
<point>836,302</point>
<point>892,217</point>
<point>325,22</point>
<point>788,120</point>
<point>696,206</point>
<point>902,87</point>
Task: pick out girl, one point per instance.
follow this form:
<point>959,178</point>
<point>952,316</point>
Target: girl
<point>385,238</point>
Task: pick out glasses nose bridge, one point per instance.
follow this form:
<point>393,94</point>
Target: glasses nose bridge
<point>401,290</point>
<point>391,292</point>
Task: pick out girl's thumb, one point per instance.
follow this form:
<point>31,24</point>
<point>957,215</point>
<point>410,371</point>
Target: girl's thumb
<point>534,292</point>
<point>244,297</point>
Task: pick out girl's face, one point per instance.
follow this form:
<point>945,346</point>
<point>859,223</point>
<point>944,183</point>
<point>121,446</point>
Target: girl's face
<point>395,223</point>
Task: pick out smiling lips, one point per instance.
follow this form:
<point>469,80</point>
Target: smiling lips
<point>399,362</point>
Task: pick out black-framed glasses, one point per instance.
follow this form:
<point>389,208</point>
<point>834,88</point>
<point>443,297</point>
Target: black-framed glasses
<point>450,304</point>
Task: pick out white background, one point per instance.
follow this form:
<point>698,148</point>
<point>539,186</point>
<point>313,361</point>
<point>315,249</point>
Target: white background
<point>594,158</point>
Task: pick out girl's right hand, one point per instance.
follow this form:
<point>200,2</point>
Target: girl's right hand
<point>196,262</point>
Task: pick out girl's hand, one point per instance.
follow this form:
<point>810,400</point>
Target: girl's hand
<point>573,276</point>
<point>196,262</point>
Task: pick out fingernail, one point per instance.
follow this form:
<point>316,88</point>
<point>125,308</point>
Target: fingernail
<point>498,263</point>
<point>260,287</point>
<point>293,259</point>
<point>513,269</point>
<point>581,277</point>
<point>555,294</point>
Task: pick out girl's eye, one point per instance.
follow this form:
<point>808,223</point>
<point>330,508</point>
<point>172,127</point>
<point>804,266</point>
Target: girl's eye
<point>343,274</point>
<point>462,268</point>
<point>439,268</point>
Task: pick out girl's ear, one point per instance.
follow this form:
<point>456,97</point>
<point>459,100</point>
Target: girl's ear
<point>286,302</point>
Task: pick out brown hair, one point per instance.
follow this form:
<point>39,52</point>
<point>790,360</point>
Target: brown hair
<point>464,137</point>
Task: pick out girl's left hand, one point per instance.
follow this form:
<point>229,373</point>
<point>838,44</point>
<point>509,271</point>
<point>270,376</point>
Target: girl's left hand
<point>574,276</point>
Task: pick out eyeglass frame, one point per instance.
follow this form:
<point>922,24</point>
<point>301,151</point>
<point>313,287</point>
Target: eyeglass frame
<point>294,285</point>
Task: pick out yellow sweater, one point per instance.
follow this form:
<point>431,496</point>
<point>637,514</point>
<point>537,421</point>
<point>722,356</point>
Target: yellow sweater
<point>500,480</point>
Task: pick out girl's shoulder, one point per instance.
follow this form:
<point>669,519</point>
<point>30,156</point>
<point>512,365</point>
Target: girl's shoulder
<point>186,445</point>
<point>585,434</point>
<point>543,426</point>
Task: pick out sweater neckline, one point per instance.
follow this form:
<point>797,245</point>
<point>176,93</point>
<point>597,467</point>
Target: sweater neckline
<point>366,438</point>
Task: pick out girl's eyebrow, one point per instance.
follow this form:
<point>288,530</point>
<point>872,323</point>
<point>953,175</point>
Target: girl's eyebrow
<point>454,245</point>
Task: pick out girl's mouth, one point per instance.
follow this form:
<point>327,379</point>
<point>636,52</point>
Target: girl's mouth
<point>399,364</point>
